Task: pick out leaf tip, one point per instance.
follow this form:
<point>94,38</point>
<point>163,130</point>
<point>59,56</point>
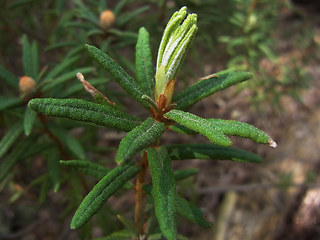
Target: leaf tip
<point>272,143</point>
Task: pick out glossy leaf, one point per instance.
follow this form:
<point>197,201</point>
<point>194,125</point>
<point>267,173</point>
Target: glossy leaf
<point>139,138</point>
<point>9,77</point>
<point>30,117</point>
<point>210,151</point>
<point>191,212</point>
<point>82,110</point>
<point>207,87</point>
<point>118,73</point>
<point>163,191</point>
<point>10,138</point>
<point>200,125</point>
<point>241,129</point>
<point>104,189</point>
<point>144,68</point>
<point>88,168</point>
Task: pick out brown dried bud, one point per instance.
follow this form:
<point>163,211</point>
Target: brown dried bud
<point>27,85</point>
<point>107,19</point>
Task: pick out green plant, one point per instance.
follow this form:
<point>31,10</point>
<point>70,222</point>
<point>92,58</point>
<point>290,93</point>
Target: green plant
<point>168,113</point>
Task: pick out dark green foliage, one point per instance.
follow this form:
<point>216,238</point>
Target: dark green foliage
<point>9,77</point>
<point>200,125</point>
<point>9,139</point>
<point>29,120</point>
<point>144,67</point>
<point>191,212</point>
<point>30,58</point>
<point>139,138</point>
<point>105,188</point>
<point>207,87</point>
<point>163,191</point>
<point>6,103</point>
<point>82,110</point>
<point>117,72</point>
<point>185,173</point>
<point>210,151</point>
<point>87,167</point>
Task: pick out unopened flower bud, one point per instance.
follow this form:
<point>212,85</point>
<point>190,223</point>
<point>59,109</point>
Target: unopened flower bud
<point>27,85</point>
<point>107,19</point>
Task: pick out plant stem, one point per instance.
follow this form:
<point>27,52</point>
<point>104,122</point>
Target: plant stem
<point>139,196</point>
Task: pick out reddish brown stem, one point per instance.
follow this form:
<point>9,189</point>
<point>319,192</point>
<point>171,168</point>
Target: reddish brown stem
<point>139,196</point>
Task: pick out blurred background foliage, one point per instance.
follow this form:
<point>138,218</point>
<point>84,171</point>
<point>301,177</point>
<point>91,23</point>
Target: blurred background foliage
<point>276,40</point>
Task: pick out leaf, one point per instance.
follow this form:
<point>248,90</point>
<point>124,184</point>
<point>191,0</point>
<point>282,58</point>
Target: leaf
<point>124,234</point>
<point>82,110</point>
<point>210,151</point>
<point>200,125</point>
<point>207,87</point>
<point>29,119</point>
<point>181,129</point>
<point>139,138</point>
<point>6,103</point>
<point>241,129</point>
<point>163,191</point>
<point>127,17</point>
<point>104,189</point>
<point>10,138</point>
<point>185,173</point>
<point>29,58</point>
<point>191,212</point>
<point>87,167</point>
<point>9,77</point>
<point>69,140</point>
<point>16,155</point>
<point>53,168</point>
<point>61,67</point>
<point>65,77</point>
<point>144,68</point>
<point>117,72</point>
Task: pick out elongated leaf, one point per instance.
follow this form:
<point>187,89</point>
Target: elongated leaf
<point>235,128</point>
<point>117,72</point>
<point>10,138</point>
<point>139,138</point>
<point>87,167</point>
<point>29,58</point>
<point>6,103</point>
<point>200,125</point>
<point>210,151</point>
<point>207,87</point>
<point>65,77</point>
<point>53,168</point>
<point>163,191</point>
<point>124,234</point>
<point>69,140</point>
<point>182,129</point>
<point>185,173</point>
<point>127,17</point>
<point>104,189</point>
<point>9,77</point>
<point>144,68</point>
<point>191,212</point>
<point>61,67</point>
<point>15,156</point>
<point>82,110</point>
<point>29,119</point>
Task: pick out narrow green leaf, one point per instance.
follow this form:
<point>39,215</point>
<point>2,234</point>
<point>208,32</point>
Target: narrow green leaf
<point>28,59</point>
<point>30,117</point>
<point>10,138</point>
<point>139,138</point>
<point>104,189</point>
<point>60,68</point>
<point>144,68</point>
<point>6,103</point>
<point>210,151</point>
<point>65,77</point>
<point>88,168</point>
<point>127,17</point>
<point>9,77</point>
<point>241,129</point>
<point>182,129</point>
<point>53,168</point>
<point>185,173</point>
<point>69,140</point>
<point>207,87</point>
<point>163,191</point>
<point>82,110</point>
<point>124,234</point>
<point>35,60</point>
<point>191,212</point>
<point>117,72</point>
<point>16,155</point>
<point>200,125</point>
